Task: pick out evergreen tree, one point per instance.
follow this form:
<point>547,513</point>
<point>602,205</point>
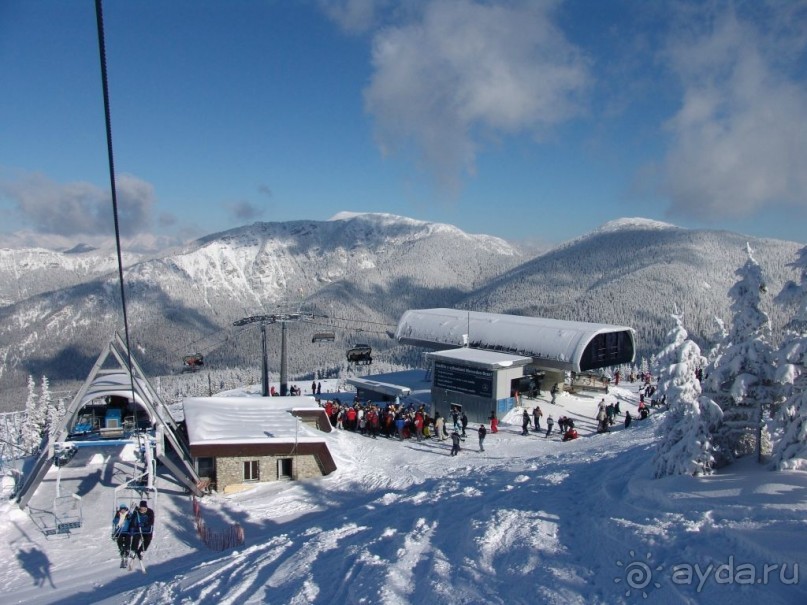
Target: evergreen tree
<point>791,450</point>
<point>740,378</point>
<point>686,445</point>
<point>48,410</point>
<point>33,427</point>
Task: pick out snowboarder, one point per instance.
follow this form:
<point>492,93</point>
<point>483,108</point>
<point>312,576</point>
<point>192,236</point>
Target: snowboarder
<point>120,533</point>
<point>482,433</point>
<point>141,526</point>
<point>550,422</point>
<point>455,443</point>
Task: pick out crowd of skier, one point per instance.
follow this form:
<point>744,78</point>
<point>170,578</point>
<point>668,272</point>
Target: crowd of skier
<point>402,420</point>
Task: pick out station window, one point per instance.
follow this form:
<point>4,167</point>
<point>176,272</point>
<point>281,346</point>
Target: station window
<point>251,470</point>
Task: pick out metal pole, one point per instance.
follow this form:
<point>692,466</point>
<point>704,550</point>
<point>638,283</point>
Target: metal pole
<point>284,362</point>
<point>265,365</point>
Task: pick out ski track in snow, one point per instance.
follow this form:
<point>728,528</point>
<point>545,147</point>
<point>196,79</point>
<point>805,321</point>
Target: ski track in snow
<point>530,520</point>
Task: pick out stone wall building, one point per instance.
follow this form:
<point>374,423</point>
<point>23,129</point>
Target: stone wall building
<point>237,442</point>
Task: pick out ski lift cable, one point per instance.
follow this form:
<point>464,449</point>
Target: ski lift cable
<point>99,18</point>
<point>187,346</point>
<point>365,321</point>
<point>346,328</point>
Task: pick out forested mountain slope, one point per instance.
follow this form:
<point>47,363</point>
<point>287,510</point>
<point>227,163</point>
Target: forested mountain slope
<point>362,271</point>
<point>637,272</point>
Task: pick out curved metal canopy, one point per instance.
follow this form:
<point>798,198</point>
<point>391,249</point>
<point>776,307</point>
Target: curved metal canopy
<point>552,343</point>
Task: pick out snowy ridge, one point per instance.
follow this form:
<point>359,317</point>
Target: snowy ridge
<point>31,271</point>
<point>633,223</point>
<point>373,268</point>
<point>369,267</point>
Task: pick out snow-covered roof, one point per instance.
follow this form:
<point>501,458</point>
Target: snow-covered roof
<point>552,343</point>
<point>231,420</point>
<point>377,386</point>
<point>480,357</point>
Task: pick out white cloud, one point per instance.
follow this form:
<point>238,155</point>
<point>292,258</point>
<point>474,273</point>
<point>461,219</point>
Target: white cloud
<point>740,136</point>
<point>354,16</point>
<point>78,208</point>
<point>464,72</point>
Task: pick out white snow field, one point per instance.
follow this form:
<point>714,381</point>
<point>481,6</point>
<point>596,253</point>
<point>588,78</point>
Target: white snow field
<point>530,520</point>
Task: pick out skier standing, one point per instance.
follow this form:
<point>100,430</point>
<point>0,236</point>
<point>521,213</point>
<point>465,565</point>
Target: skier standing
<point>494,422</point>
<point>525,423</point>
<point>455,443</point>
<point>482,433</point>
<point>536,418</point>
<point>550,422</point>
<point>439,427</point>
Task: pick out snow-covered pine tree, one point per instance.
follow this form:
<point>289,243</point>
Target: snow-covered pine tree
<point>33,427</point>
<point>46,403</point>
<point>686,445</point>
<point>790,452</point>
<point>645,366</point>
<point>716,341</point>
<point>740,378</point>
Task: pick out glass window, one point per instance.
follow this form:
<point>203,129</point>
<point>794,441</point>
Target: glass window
<point>251,470</point>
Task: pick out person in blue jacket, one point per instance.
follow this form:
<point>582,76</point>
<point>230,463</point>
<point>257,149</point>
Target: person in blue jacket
<point>120,532</point>
<point>141,527</point>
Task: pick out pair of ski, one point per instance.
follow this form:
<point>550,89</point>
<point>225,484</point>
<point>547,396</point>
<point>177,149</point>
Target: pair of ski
<point>130,564</point>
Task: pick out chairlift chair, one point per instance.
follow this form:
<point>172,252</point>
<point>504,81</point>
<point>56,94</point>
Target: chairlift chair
<point>360,354</point>
<point>141,484</point>
<point>323,337</point>
<point>67,513</point>
<point>193,362</point>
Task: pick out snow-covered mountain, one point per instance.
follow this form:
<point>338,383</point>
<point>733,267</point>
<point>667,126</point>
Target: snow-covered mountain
<point>637,272</point>
<point>361,270</point>
<point>27,272</point>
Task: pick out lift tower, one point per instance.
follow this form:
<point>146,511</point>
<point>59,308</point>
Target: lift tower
<point>264,320</point>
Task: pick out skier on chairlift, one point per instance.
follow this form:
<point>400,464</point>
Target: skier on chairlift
<point>120,533</point>
<point>141,527</point>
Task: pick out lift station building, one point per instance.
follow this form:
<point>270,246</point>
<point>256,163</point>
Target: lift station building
<point>480,359</point>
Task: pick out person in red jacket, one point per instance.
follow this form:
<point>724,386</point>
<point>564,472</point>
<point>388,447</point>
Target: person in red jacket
<point>494,423</point>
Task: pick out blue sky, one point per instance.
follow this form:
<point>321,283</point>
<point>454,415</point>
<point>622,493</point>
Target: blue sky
<point>533,121</point>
